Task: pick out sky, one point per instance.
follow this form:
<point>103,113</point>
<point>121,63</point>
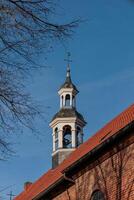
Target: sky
<point>102,68</point>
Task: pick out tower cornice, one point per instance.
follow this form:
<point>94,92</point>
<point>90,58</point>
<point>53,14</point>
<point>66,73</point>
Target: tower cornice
<point>66,90</point>
<point>56,121</point>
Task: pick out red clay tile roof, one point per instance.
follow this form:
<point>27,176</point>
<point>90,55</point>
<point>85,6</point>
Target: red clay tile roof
<point>52,176</point>
<point>40,185</point>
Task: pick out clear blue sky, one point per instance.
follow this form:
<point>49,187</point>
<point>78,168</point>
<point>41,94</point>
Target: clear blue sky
<point>103,69</point>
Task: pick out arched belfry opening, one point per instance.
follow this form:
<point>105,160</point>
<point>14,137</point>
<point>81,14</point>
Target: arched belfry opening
<point>62,101</point>
<point>67,136</point>
<point>73,101</point>
<point>79,136</point>
<point>56,139</point>
<point>67,100</point>
<point>67,123</point>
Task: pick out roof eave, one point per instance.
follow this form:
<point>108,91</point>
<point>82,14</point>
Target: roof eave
<point>58,182</point>
<point>49,188</point>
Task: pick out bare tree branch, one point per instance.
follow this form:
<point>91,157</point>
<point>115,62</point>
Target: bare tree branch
<point>26,28</point>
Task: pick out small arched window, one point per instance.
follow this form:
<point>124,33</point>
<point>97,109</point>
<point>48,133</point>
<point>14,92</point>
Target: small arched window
<point>67,100</point>
<point>62,101</point>
<point>78,137</point>
<point>73,101</point>
<point>67,137</point>
<point>56,139</point>
<point>97,195</point>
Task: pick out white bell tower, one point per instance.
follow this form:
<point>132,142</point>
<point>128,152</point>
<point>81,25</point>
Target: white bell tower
<point>67,124</point>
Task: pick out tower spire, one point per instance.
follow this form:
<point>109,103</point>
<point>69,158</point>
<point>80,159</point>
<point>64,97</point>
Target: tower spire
<point>68,82</point>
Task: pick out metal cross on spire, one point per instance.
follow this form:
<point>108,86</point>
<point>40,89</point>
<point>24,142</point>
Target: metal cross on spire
<point>68,65</point>
<point>68,60</point>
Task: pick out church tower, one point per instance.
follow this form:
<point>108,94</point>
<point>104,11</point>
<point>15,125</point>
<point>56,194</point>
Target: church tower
<point>67,124</point>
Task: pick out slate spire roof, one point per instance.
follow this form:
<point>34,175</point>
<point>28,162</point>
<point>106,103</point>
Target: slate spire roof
<point>68,82</point>
<point>67,112</point>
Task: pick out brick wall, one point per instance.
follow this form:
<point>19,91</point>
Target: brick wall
<point>112,173</point>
